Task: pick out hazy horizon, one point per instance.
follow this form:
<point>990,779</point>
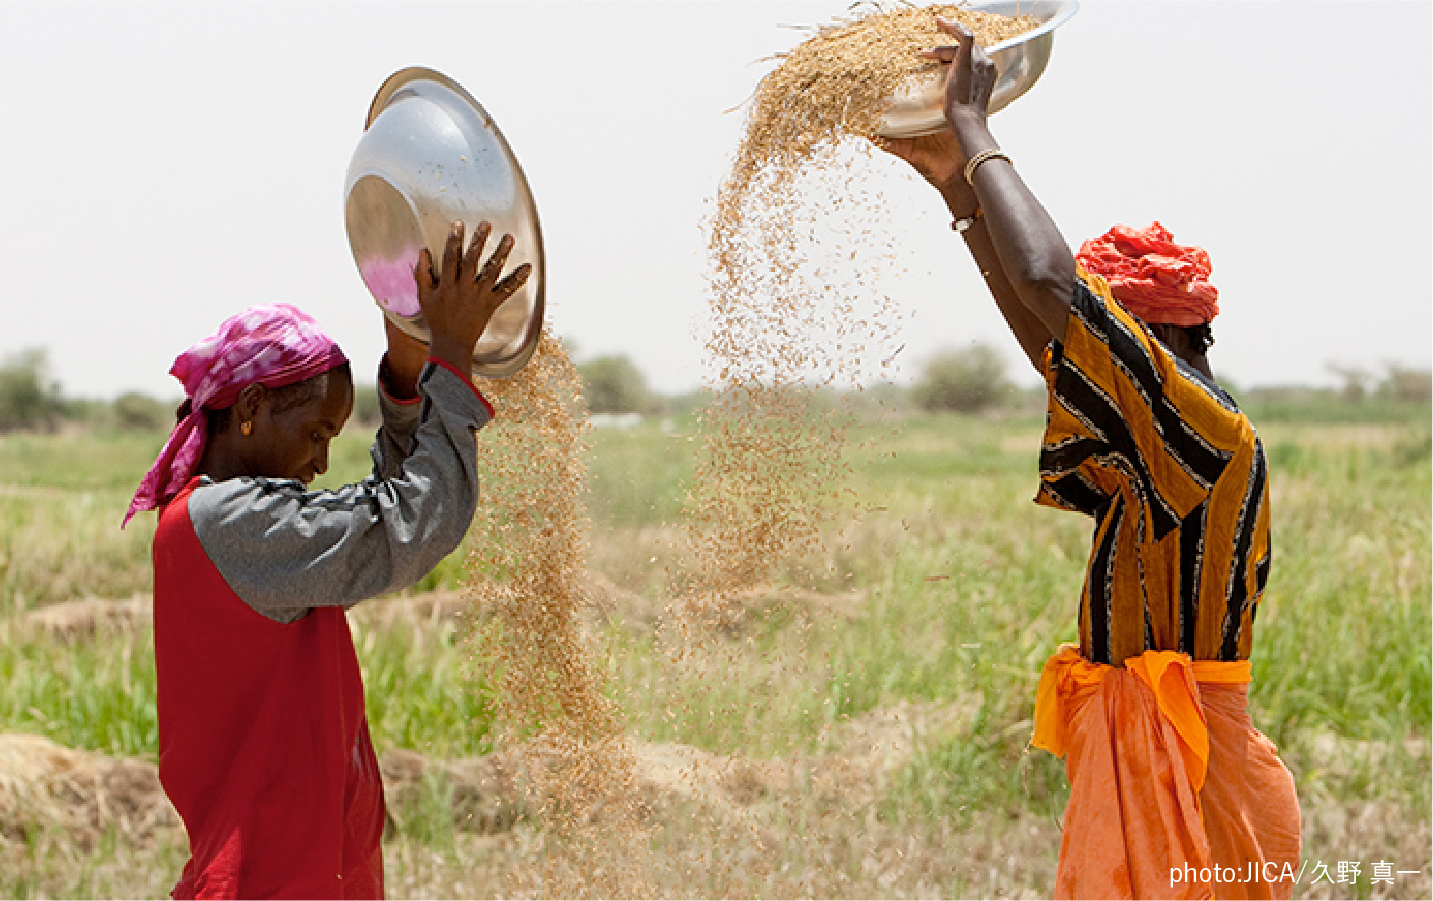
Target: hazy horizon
<point>171,164</point>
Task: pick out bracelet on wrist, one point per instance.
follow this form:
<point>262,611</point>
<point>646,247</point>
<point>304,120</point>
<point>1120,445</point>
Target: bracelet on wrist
<point>983,156</point>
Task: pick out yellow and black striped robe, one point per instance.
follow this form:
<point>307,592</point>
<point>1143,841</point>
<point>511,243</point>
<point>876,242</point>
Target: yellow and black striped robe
<point>1175,478</point>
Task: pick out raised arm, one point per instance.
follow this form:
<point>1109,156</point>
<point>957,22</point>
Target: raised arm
<point>284,549</point>
<point>938,159</point>
<point>1027,265</point>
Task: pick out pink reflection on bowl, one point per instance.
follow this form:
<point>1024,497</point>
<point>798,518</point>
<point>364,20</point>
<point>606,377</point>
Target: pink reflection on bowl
<point>392,283</point>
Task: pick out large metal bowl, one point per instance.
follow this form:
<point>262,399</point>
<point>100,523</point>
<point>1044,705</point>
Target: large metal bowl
<point>917,108</point>
<point>430,155</point>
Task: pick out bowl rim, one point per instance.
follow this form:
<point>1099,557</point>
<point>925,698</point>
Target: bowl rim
<point>382,100</point>
<point>400,79</point>
<point>1062,14</point>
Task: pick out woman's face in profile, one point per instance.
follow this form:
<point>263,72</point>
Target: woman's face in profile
<point>293,443</point>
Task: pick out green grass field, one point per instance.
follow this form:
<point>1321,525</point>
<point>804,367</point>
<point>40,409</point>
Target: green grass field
<point>941,592</point>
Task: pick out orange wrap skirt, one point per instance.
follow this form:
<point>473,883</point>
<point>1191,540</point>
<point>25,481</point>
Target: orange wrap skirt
<point>1173,792</point>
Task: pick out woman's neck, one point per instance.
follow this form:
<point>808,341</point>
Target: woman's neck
<point>221,460</point>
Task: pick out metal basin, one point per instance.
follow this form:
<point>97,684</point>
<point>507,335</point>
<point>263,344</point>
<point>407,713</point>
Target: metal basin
<point>429,155</point>
<point>917,108</point>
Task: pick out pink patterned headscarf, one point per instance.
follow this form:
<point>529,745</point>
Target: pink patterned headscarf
<point>272,345</point>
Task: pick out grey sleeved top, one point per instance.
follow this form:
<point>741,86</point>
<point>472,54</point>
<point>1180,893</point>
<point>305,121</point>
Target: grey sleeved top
<point>284,549</point>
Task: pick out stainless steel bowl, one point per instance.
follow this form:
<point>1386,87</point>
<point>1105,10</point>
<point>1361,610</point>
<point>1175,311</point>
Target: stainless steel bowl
<point>430,155</point>
<point>916,109</point>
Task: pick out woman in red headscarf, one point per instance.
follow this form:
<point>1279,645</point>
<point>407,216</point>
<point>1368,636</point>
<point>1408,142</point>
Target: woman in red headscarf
<point>1173,792</point>
<point>263,745</point>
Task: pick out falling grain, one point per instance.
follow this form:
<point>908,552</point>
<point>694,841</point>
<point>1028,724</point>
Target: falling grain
<point>528,575</point>
<point>797,246</point>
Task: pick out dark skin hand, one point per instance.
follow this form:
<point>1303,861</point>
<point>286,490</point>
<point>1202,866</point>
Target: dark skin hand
<point>1029,268</point>
<point>459,302</point>
<point>1025,261</point>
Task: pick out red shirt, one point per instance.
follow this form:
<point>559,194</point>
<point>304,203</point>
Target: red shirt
<point>263,745</point>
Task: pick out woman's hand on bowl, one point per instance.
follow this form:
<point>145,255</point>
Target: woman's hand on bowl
<point>938,159</point>
<point>459,302</point>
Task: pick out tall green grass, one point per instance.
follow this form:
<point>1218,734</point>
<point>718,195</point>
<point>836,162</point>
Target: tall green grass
<point>422,691</point>
<point>95,693</point>
<point>971,586</point>
<point>957,588</point>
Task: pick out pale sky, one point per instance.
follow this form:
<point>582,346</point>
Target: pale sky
<point>166,165</point>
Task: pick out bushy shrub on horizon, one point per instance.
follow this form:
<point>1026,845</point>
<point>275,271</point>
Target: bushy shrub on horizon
<point>138,412</point>
<point>963,380</point>
<point>29,399</point>
<point>614,384</point>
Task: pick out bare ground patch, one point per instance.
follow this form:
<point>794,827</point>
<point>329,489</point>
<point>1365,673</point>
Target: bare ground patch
<point>719,825</point>
<point>79,823</point>
<point>71,621</point>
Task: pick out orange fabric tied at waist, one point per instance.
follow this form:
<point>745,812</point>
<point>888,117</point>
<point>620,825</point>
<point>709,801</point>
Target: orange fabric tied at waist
<point>1145,801</point>
<point>1171,675</point>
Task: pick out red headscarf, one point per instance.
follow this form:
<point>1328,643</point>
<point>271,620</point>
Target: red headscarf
<point>1154,278</point>
<point>273,345</point>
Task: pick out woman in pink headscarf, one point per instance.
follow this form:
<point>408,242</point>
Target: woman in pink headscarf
<point>263,744</point>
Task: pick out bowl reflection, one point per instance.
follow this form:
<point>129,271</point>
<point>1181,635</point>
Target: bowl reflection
<point>431,155</point>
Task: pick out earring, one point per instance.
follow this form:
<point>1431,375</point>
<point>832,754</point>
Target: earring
<point>246,428</point>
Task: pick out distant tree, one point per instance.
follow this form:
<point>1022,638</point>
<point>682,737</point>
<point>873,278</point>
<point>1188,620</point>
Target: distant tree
<point>1355,381</point>
<point>614,384</point>
<point>28,397</point>
<point>136,412</point>
<point>965,380</point>
<point>1407,384</point>
<point>88,411</point>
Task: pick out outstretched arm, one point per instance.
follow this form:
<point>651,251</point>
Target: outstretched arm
<point>1027,264</point>
<point>938,158</point>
